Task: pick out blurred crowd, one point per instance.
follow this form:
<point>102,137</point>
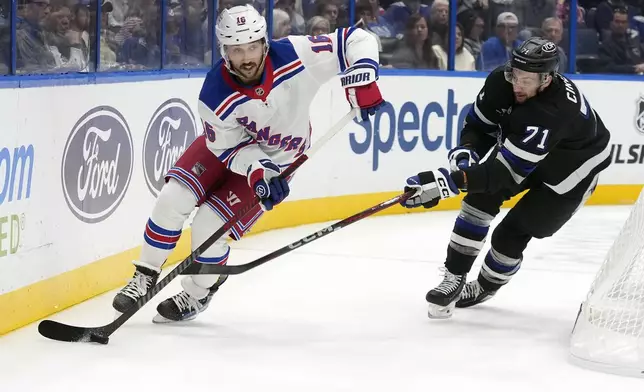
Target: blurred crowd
<point>56,36</point>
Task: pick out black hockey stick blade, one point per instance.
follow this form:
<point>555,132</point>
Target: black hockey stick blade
<point>209,269</point>
<point>67,333</point>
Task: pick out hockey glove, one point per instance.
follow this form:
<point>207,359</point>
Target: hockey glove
<point>361,89</point>
<point>461,158</point>
<point>263,178</point>
<point>430,187</point>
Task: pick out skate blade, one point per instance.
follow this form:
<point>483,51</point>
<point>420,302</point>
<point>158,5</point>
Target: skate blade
<point>158,319</point>
<point>440,312</point>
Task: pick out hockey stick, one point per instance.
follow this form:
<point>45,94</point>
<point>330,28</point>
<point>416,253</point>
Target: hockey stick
<point>205,269</point>
<point>69,333</point>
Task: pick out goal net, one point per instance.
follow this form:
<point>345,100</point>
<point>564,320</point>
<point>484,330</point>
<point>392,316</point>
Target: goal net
<point>609,331</point>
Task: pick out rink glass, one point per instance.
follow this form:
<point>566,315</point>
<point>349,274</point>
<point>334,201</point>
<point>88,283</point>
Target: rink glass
<point>71,37</point>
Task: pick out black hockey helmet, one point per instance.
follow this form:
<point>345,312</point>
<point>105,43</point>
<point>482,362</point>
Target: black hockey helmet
<point>536,55</point>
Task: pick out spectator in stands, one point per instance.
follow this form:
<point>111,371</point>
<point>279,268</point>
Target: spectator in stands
<point>478,7</point>
<point>373,21</point>
<point>439,20</point>
<point>496,8</point>
<point>329,10</point>
<point>78,31</point>
<point>619,52</point>
<point>109,46</point>
<point>463,60</point>
<point>552,29</point>
<point>496,51</point>
<point>318,25</point>
<point>66,53</point>
<point>281,24</point>
<point>376,9</point>
<point>196,38</point>
<point>142,50</point>
<point>226,4</point>
<point>416,49</point>
<point>473,28</point>
<point>604,16</point>
<point>118,13</point>
<point>33,53</point>
<point>563,13</point>
<point>531,13</point>
<point>399,13</point>
<point>297,20</point>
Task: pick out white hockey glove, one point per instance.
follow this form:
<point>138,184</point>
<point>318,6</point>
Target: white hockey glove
<point>430,187</point>
<point>359,82</point>
<point>263,178</point>
<point>461,158</point>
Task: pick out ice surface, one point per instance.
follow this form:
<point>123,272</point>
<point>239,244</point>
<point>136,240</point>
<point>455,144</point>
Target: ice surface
<point>345,313</point>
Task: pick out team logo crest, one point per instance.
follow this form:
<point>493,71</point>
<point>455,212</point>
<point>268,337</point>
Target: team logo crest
<point>259,91</point>
<point>639,117</point>
<point>549,47</point>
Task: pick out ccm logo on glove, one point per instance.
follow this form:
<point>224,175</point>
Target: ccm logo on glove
<point>355,78</point>
<point>444,188</point>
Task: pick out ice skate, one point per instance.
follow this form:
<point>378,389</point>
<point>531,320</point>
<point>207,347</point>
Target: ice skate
<point>473,294</point>
<point>185,307</point>
<point>138,286</point>
<point>443,297</point>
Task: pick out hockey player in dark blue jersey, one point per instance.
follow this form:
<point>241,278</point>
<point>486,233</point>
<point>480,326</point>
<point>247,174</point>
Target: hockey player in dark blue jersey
<point>537,132</point>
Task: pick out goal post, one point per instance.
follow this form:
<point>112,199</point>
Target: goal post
<point>608,334</point>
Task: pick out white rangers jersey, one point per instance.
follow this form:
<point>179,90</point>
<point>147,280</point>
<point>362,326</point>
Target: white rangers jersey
<point>271,120</point>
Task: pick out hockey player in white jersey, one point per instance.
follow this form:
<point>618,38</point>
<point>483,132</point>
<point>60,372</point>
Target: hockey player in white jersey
<point>254,108</point>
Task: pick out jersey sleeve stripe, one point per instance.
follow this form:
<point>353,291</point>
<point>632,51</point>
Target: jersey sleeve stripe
<point>480,116</point>
<point>515,176</point>
<point>228,160</point>
<point>286,72</point>
<point>370,62</point>
<point>580,174</point>
<point>286,68</point>
<point>523,154</point>
<point>229,104</point>
<point>518,165</point>
<point>342,36</point>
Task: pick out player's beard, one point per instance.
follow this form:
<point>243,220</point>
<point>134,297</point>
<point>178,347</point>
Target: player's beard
<point>250,72</point>
<point>520,97</point>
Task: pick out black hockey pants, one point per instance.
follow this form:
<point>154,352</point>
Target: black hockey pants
<point>540,213</point>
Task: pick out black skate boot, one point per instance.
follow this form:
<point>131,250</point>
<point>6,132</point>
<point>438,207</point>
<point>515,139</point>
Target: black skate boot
<point>185,307</point>
<point>443,297</point>
<point>143,279</point>
<point>473,294</point>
